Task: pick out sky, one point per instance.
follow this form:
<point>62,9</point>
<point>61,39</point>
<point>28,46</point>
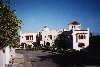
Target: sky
<point>57,14</point>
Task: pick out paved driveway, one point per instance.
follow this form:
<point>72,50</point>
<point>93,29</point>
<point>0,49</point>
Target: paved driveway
<point>49,59</point>
<point>38,59</point>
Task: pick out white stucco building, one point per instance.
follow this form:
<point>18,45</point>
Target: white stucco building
<point>27,38</point>
<point>74,36</point>
<point>80,37</point>
<point>49,36</point>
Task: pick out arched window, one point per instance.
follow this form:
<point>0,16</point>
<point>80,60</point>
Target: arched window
<point>45,36</point>
<point>84,37</point>
<point>81,45</point>
<point>72,26</point>
<point>81,36</point>
<point>50,36</point>
<point>27,37</point>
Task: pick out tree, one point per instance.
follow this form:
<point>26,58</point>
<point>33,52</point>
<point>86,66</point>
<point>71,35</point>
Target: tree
<point>9,25</point>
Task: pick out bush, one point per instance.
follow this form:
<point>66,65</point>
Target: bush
<point>47,48</point>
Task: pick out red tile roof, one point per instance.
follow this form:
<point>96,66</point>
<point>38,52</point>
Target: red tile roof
<point>75,23</point>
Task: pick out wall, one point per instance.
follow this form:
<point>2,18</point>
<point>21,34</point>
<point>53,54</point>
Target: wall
<point>45,32</point>
<point>5,57</point>
<point>77,27</point>
<point>85,41</point>
<point>23,38</point>
<point>2,63</point>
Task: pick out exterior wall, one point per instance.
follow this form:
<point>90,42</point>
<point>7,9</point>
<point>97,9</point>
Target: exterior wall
<point>2,63</point>
<point>5,57</point>
<point>76,42</point>
<point>7,54</point>
<point>46,32</point>
<point>23,38</point>
<point>74,27</point>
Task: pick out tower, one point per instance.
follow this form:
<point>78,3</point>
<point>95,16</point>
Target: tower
<point>46,28</point>
<point>74,26</point>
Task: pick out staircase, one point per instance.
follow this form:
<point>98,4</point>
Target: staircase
<point>17,61</point>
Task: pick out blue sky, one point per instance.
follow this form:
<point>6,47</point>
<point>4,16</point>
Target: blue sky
<point>56,14</point>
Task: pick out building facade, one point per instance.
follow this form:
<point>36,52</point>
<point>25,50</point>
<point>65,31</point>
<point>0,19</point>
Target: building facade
<point>73,37</point>
<point>80,37</point>
<point>27,39</point>
<point>49,36</point>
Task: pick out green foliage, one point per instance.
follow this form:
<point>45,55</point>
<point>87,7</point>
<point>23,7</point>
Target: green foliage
<point>9,25</point>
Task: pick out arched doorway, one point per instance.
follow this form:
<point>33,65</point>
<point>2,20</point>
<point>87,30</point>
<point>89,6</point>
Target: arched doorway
<point>48,44</point>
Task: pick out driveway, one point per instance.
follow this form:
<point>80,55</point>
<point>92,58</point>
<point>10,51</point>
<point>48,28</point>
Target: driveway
<point>51,59</point>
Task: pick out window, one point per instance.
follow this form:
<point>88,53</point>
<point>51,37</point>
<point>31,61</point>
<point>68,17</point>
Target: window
<point>50,36</point>
<point>84,37</point>
<point>81,36</point>
<point>27,37</point>
<point>81,45</point>
<point>45,36</point>
<point>31,37</point>
<point>72,26</point>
